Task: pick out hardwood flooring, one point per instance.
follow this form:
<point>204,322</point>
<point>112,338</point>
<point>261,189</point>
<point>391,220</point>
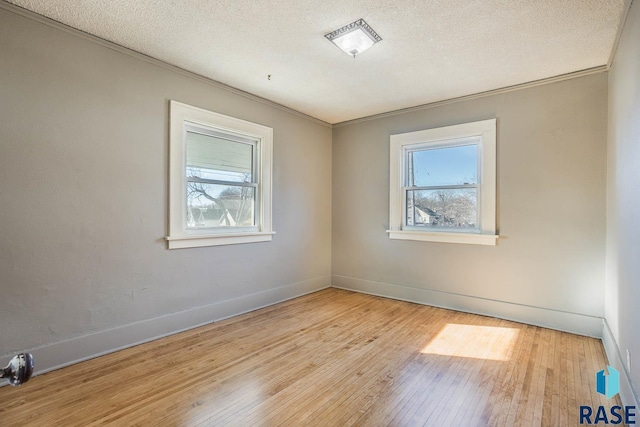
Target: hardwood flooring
<point>331,358</point>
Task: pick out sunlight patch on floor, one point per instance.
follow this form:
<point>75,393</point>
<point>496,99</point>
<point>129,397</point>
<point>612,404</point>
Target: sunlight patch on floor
<point>473,341</point>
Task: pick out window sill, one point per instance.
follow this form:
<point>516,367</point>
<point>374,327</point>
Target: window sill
<point>443,237</point>
<point>180,242</point>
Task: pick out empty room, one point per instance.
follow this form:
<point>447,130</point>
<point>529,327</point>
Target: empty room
<point>403,213</point>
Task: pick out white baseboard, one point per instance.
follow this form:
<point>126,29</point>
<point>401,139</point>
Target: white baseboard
<point>554,319</point>
<point>58,355</point>
<point>628,393</point>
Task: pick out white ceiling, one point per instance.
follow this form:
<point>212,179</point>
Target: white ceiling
<point>431,50</point>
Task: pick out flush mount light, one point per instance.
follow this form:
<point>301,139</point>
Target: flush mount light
<point>354,38</point>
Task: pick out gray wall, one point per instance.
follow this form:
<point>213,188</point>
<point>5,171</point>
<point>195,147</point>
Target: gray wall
<point>83,200</point>
<point>623,205</point>
<point>548,267</point>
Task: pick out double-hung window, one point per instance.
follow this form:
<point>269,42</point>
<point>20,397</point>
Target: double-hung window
<point>443,184</point>
<point>220,179</point>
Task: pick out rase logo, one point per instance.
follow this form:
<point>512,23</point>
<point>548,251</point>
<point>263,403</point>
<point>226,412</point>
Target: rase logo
<point>609,386</point>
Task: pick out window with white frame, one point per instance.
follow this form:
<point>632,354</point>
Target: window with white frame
<point>443,184</point>
<point>220,179</point>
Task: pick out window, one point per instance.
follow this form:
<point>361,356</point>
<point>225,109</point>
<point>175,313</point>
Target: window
<point>443,184</point>
<point>220,179</point>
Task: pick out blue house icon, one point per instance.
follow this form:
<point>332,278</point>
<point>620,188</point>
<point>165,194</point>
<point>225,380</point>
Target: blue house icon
<point>608,385</point>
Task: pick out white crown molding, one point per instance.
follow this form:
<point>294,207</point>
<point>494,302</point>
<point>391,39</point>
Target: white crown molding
<point>623,20</point>
<point>549,80</point>
<point>121,49</point>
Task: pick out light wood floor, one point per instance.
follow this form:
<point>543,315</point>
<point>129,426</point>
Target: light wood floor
<point>331,358</point>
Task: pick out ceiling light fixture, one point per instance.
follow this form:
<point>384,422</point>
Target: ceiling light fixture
<point>354,38</point>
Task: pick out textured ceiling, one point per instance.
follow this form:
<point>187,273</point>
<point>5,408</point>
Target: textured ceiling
<point>431,50</point>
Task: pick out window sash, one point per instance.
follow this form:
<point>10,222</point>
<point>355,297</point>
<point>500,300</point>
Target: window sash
<point>411,149</point>
<point>211,131</point>
<point>221,182</point>
<point>441,187</point>
<point>440,229</point>
<point>226,206</point>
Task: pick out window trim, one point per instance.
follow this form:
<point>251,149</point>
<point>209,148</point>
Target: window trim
<point>438,137</point>
<point>183,116</point>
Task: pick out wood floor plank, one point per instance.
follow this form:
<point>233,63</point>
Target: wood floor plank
<point>331,358</point>
<point>505,412</point>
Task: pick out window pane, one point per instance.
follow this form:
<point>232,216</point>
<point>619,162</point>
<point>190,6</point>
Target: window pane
<point>213,205</point>
<point>216,158</point>
<point>443,166</point>
<point>437,209</point>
